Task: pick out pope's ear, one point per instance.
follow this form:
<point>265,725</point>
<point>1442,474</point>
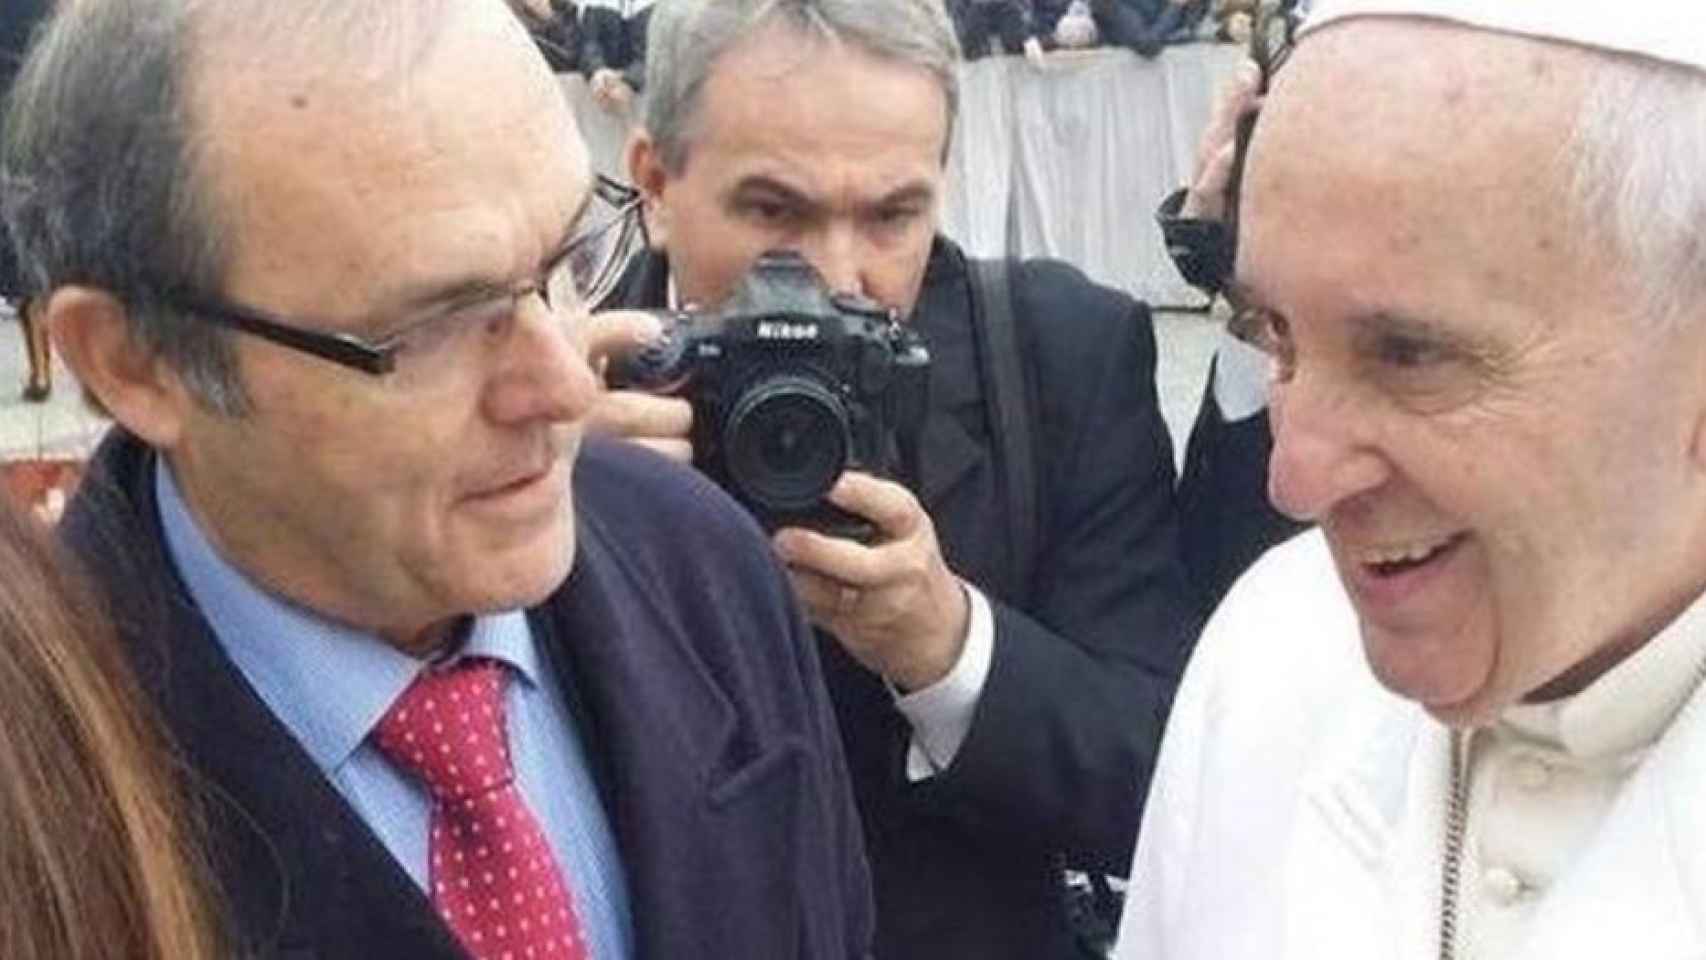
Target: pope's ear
<point>646,171</point>
<point>91,330</point>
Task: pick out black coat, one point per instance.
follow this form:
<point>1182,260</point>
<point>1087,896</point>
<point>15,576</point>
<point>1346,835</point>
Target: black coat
<point>698,693</point>
<point>1223,499</point>
<point>1086,655</point>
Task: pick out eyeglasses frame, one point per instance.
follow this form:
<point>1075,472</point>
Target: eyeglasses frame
<point>379,357</point>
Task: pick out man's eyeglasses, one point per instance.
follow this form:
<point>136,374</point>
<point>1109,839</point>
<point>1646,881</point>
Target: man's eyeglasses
<point>579,276</point>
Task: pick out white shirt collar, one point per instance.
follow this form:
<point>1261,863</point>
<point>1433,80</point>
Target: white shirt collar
<point>1632,704</point>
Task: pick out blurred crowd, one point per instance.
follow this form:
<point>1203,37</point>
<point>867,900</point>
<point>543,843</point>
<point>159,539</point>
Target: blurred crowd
<point>605,40</point>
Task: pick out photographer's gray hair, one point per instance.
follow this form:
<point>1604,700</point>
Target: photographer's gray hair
<point>687,37</point>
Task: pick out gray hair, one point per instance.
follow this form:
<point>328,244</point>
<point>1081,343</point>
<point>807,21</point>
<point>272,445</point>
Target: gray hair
<point>100,169</point>
<point>1637,151</point>
<point>686,38</point>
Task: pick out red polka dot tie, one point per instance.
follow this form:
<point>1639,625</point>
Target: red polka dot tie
<point>492,875</point>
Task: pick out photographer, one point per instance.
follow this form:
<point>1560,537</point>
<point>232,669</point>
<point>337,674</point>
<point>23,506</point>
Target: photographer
<point>999,702</point>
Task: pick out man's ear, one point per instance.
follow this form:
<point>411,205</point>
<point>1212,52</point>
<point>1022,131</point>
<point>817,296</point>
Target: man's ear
<point>646,171</point>
<point>91,329</point>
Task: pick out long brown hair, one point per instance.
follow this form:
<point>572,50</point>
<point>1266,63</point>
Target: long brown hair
<point>96,852</point>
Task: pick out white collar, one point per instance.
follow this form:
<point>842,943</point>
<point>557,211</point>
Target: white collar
<point>1632,704</point>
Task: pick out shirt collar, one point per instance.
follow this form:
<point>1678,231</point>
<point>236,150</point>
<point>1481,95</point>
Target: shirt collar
<point>329,684</point>
<point>1631,705</point>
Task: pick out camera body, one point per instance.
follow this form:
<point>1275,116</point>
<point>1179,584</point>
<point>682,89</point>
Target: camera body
<point>790,386</point>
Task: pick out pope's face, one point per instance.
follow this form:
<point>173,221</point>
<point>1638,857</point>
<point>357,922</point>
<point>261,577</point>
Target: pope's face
<point>1501,449</point>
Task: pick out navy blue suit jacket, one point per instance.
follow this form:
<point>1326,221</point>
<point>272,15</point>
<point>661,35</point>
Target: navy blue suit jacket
<point>698,691</point>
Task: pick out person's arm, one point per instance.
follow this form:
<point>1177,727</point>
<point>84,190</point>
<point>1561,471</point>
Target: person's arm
<point>1153,39</point>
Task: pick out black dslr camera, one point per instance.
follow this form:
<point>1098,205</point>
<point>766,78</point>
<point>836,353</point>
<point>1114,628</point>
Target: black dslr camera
<point>790,386</point>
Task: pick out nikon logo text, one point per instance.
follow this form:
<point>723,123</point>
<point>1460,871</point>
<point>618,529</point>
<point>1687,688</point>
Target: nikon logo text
<point>779,330</point>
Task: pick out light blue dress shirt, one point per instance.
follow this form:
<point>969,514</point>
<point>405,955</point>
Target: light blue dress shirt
<point>330,685</point>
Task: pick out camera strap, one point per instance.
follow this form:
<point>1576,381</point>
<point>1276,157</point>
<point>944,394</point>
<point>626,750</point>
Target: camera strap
<point>1007,402</point>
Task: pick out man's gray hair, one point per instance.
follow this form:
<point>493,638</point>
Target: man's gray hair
<point>100,166</point>
<point>687,37</point>
<point>1638,149</point>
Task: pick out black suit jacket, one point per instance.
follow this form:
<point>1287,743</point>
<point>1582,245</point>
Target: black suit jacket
<point>698,691</point>
<point>1086,655</point>
<point>1223,498</point>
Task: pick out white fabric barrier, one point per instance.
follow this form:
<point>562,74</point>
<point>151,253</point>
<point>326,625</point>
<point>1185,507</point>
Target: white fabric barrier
<point>1067,161</point>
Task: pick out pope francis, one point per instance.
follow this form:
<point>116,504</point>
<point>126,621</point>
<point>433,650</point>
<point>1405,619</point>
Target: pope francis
<point>1463,718</point>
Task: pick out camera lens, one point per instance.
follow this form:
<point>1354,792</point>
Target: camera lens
<point>786,443</point>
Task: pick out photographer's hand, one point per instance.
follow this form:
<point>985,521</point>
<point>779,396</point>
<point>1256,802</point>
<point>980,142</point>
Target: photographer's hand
<point>661,423</point>
<point>894,605</point>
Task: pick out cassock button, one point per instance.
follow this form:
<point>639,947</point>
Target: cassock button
<point>1502,886</point>
<point>1532,773</point>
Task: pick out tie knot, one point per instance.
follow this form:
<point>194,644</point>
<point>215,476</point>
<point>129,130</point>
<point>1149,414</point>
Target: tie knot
<point>448,729</point>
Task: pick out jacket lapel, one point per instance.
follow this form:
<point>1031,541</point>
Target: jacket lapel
<point>693,783</point>
<point>949,452</point>
<point>650,704</point>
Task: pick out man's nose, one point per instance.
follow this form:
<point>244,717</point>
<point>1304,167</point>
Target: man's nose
<point>545,374</point>
<point>836,254</point>
<point>1320,457</point>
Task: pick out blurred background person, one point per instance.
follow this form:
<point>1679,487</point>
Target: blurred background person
<point>1146,26</point>
<point>1013,25</point>
<point>18,20</point>
<point>614,53</point>
<point>556,29</point>
<point>98,852</point>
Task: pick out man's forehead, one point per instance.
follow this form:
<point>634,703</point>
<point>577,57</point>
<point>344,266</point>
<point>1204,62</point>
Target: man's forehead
<point>1408,97</point>
<point>1667,30</point>
<point>773,80</point>
<point>1380,66</point>
<point>1411,136</point>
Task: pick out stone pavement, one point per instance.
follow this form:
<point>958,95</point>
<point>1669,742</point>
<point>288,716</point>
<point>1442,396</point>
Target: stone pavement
<point>65,427</point>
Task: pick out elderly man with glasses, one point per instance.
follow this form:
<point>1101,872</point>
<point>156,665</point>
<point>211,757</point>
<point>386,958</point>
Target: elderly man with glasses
<point>1465,718</point>
<point>451,679</point>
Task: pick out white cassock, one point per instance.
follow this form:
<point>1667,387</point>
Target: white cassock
<point>1298,811</point>
<point>1299,808</point>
